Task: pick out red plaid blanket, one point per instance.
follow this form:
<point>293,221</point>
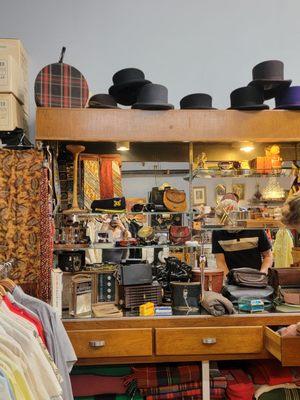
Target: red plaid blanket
<point>194,394</point>
<point>166,375</point>
<point>218,383</point>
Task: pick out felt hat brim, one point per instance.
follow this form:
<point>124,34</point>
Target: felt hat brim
<point>251,108</point>
<point>126,93</point>
<point>288,107</point>
<point>153,106</point>
<point>276,86</point>
<point>198,108</point>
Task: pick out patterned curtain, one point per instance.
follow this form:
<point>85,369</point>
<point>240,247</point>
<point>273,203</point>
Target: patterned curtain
<point>21,174</point>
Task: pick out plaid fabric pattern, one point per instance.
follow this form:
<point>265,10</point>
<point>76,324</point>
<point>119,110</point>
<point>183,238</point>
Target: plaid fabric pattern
<point>166,375</point>
<point>219,383</point>
<point>60,85</point>
<point>215,394</point>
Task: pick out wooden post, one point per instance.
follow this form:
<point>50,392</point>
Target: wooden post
<point>205,381</point>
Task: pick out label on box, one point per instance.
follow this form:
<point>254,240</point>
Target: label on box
<point>4,112</point>
<point>3,72</point>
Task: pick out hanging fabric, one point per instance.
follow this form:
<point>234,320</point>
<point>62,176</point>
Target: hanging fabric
<point>20,213</point>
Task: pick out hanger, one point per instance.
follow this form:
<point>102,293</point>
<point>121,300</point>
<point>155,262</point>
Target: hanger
<point>8,284</point>
<point>2,291</point>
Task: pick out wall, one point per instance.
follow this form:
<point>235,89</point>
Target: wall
<point>207,46</point>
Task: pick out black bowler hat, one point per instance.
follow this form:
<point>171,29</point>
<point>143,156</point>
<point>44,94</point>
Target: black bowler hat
<point>197,101</point>
<point>153,97</point>
<point>127,84</point>
<point>102,100</point>
<point>268,77</point>
<point>247,98</point>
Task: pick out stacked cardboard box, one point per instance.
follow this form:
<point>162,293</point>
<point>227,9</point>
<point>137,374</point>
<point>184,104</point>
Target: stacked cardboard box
<point>14,94</point>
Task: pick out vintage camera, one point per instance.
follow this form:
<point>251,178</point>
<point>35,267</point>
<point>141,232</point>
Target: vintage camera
<point>71,261</point>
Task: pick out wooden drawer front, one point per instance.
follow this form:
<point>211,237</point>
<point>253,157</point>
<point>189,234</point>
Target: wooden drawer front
<point>223,340</point>
<point>112,342</point>
<point>285,349</point>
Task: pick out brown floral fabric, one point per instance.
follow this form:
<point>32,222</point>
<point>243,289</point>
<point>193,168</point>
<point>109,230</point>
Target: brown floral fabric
<point>20,178</point>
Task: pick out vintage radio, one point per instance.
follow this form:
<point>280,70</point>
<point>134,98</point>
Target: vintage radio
<point>71,261</point>
<point>135,296</point>
<point>135,274</point>
<point>106,287</point>
<point>81,296</point>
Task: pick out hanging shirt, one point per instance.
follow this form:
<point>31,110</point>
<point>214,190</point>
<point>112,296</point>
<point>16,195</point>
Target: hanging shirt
<point>6,391</point>
<point>58,342</point>
<point>282,249</point>
<point>39,364</point>
<point>22,313</point>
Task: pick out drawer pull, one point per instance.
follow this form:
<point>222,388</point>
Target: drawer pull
<point>97,343</point>
<point>209,340</point>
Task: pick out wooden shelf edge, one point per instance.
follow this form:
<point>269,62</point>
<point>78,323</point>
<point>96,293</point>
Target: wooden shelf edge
<point>100,125</point>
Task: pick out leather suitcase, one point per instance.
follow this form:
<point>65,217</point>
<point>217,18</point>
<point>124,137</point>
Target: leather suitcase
<point>284,277</point>
<point>213,279</point>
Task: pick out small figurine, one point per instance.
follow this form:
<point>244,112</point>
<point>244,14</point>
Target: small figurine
<point>200,161</point>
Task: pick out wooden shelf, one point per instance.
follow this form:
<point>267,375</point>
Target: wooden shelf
<point>99,125</point>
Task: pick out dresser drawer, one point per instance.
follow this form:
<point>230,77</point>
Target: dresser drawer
<point>285,349</point>
<point>223,340</point>
<point>112,342</point>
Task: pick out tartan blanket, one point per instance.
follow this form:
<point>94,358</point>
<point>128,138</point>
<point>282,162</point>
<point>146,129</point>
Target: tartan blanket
<point>215,394</point>
<point>217,383</point>
<point>166,375</point>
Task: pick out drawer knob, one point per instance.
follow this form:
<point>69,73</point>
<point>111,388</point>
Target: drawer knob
<point>97,343</point>
<point>209,340</point>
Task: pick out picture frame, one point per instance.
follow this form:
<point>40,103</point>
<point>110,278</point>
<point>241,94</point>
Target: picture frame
<point>220,191</point>
<point>239,189</point>
<point>199,195</point>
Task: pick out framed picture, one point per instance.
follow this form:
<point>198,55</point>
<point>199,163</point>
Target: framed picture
<point>239,189</point>
<point>220,191</point>
<point>199,195</point>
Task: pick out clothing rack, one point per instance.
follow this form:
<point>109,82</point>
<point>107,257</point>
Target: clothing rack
<point>6,267</point>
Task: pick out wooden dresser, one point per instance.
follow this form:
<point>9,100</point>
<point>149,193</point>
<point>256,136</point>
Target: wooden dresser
<point>185,338</point>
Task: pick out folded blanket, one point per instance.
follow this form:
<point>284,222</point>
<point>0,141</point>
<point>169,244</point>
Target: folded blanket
<point>153,376</point>
<point>218,383</point>
<point>110,397</point>
<point>239,385</point>
<point>103,370</point>
<point>90,385</point>
<point>215,394</point>
<point>274,373</point>
<point>216,304</point>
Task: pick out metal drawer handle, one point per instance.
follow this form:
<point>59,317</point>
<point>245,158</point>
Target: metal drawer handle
<point>209,340</point>
<point>97,343</point>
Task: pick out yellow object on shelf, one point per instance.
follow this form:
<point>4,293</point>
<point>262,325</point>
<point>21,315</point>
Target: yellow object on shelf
<point>147,309</point>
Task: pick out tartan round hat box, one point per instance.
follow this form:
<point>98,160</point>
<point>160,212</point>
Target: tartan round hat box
<point>60,85</point>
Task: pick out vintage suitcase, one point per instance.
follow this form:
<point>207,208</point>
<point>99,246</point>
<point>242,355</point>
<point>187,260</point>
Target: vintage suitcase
<point>284,277</point>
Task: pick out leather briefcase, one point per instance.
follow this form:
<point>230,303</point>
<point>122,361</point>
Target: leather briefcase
<point>284,277</point>
<point>175,200</point>
<point>179,234</point>
<point>247,277</point>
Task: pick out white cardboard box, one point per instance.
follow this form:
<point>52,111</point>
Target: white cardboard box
<point>12,114</point>
<point>56,290</point>
<point>15,48</point>
<point>11,80</point>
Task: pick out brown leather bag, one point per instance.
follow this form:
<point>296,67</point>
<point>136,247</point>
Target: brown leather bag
<point>285,277</point>
<point>175,200</point>
<point>213,279</point>
<point>179,234</point>
<point>248,277</point>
